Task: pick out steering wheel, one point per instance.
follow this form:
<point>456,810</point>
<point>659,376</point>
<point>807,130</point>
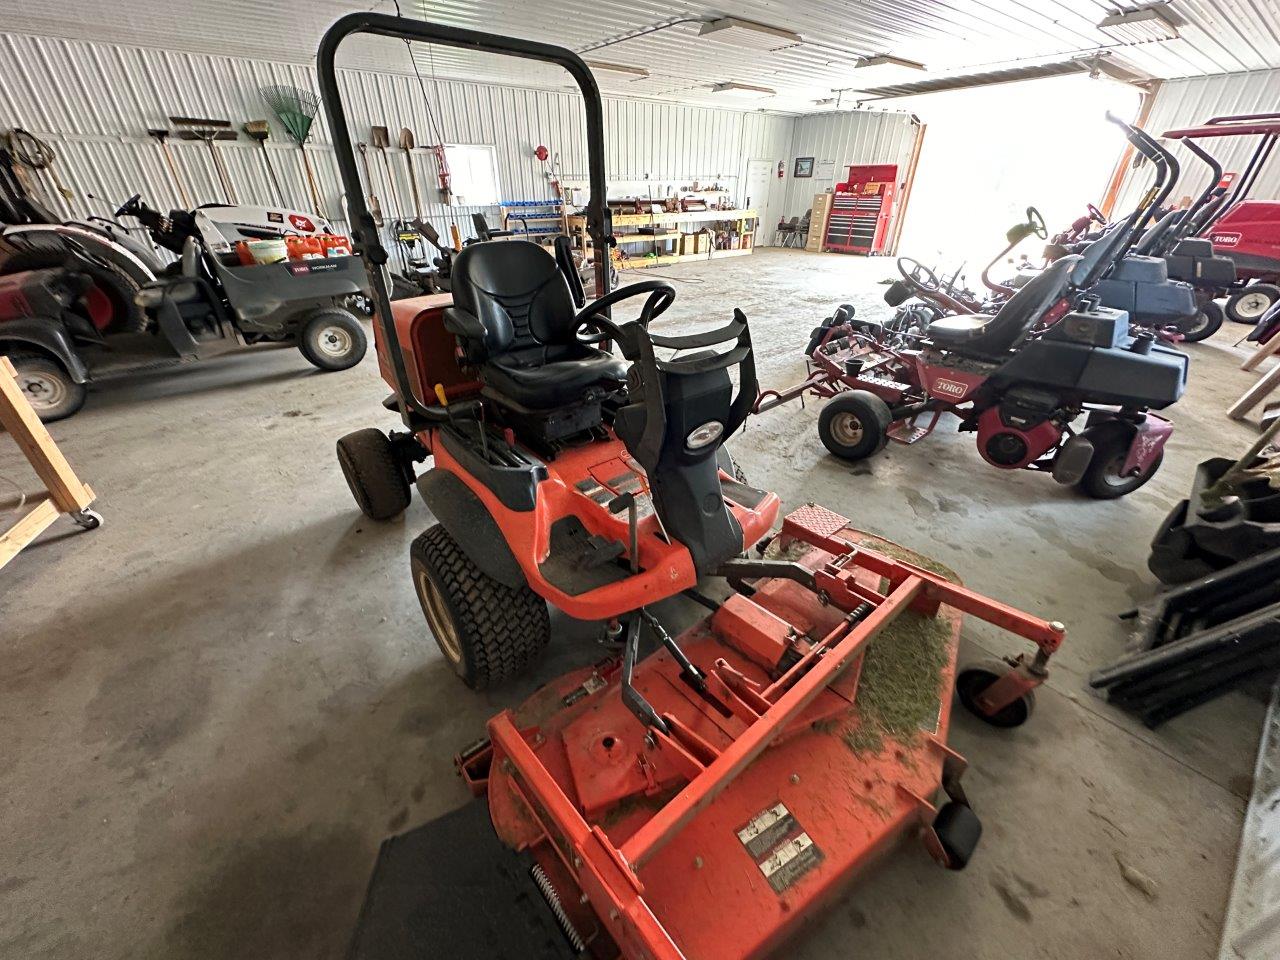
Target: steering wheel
<point>1096,215</point>
<point>1036,220</point>
<point>129,207</point>
<point>661,296</point>
<point>918,276</point>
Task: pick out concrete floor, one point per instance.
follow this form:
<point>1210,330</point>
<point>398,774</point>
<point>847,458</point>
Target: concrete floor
<point>215,706</point>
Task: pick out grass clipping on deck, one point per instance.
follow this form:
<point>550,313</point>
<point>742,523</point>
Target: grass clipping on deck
<point>900,689</point>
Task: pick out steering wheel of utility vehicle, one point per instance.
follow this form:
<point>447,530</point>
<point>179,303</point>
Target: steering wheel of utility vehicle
<point>1096,215</point>
<point>1036,220</point>
<point>661,296</point>
<point>917,275</point>
<point>129,207</point>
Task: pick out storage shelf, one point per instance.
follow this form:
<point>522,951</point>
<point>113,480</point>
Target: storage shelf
<point>639,263</point>
<point>650,219</point>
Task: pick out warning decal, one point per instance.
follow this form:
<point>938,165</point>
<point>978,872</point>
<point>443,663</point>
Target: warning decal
<point>780,847</point>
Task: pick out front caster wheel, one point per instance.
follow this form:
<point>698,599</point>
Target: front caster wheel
<point>959,830</point>
<point>972,682</point>
<point>89,519</point>
<point>374,475</point>
<point>854,425</point>
<point>488,631</point>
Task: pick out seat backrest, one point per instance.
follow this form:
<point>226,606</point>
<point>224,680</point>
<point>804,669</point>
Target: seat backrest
<point>1099,252</point>
<point>1021,311</point>
<point>516,292</point>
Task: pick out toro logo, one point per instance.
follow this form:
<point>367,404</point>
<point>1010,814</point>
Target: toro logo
<point>949,387</point>
<point>1224,239</point>
<point>301,223</point>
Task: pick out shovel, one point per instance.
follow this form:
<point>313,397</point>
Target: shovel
<point>406,144</point>
<point>380,138</point>
<point>260,130</point>
<point>162,137</point>
<point>375,208</point>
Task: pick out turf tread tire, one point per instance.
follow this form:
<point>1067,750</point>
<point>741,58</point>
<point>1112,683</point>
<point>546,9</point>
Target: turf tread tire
<point>1213,314</point>
<point>1107,445</point>
<point>338,316</point>
<point>872,412</point>
<point>501,630</point>
<point>374,476</point>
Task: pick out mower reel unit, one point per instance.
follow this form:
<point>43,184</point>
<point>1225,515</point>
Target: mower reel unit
<point>776,747</point>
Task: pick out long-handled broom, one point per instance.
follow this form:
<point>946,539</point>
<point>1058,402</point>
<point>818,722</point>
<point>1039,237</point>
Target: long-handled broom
<point>260,131</point>
<point>297,110</point>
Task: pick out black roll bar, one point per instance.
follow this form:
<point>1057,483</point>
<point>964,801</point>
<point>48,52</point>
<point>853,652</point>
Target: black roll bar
<point>365,236</point>
<point>1184,227</point>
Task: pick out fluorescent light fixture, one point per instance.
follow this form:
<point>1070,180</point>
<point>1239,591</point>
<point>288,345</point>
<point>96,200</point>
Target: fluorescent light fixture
<point>889,60</point>
<point>744,33</point>
<point>1141,25</point>
<point>601,67</point>
<point>743,91</point>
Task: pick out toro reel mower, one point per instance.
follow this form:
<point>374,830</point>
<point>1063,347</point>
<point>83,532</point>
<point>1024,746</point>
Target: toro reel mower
<point>792,735</point>
<point>1019,378</point>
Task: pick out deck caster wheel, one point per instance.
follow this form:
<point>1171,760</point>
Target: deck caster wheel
<point>959,830</point>
<point>89,519</point>
<point>972,681</point>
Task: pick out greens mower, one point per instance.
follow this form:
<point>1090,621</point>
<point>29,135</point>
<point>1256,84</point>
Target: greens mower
<point>746,756</point>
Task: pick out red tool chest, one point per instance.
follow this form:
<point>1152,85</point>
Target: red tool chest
<point>861,209</point>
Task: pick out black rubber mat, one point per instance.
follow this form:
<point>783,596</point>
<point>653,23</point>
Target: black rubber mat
<point>449,888</point>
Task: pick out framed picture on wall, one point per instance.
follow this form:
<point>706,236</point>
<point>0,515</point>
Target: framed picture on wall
<point>804,167</point>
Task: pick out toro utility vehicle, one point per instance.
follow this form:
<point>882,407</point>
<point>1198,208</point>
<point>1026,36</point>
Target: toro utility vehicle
<point>741,756</point>
<point>84,302</point>
<point>1019,377</point>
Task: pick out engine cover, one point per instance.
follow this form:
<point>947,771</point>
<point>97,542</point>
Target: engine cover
<point>1013,438</point>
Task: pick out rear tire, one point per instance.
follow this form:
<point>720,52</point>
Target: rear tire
<point>1102,479</point>
<point>1248,305</point>
<point>488,632</point>
<point>1204,324</point>
<point>333,339</point>
<point>854,425</point>
<point>374,476</point>
<point>48,387</point>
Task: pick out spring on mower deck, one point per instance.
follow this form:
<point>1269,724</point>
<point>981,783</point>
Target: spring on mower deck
<point>553,901</point>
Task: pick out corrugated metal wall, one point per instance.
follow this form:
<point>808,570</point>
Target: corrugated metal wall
<point>1184,103</point>
<point>846,138</point>
<point>106,97</point>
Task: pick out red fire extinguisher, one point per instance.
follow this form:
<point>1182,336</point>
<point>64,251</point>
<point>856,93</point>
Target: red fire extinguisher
<point>782,169</point>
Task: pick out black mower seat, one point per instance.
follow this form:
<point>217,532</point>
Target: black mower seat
<point>514,315</point>
<point>987,334</point>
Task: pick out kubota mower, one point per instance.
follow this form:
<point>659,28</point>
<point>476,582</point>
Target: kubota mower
<point>763,751</point>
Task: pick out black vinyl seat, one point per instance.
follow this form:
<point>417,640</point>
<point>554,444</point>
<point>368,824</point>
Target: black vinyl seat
<point>514,314</point>
<point>995,334</point>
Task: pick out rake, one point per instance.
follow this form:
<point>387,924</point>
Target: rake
<point>207,131</point>
<point>297,109</point>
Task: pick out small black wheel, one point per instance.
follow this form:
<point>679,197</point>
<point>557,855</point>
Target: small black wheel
<point>375,476</point>
<point>1203,325</point>
<point>488,631</point>
<point>854,425</point>
<point>959,830</point>
<point>973,680</point>
<point>48,387</point>
<point>333,339</point>
<point>1248,305</point>
<point>1104,478</point>
<point>88,519</point>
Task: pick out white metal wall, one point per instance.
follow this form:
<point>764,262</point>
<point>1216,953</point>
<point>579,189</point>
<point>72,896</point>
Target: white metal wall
<point>1185,103</point>
<point>845,138</point>
<point>106,97</point>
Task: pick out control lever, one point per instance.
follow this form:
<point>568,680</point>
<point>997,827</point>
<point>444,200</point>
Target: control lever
<point>632,698</point>
<point>689,671</point>
<point>627,502</point>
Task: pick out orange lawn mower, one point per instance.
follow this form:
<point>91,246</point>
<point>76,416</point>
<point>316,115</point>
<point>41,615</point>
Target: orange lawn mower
<point>790,737</point>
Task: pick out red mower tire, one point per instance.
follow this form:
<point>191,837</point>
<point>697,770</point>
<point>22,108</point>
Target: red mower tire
<point>973,680</point>
<point>959,830</point>
<point>374,476</point>
<point>1250,303</point>
<point>48,387</point>
<point>1103,479</point>
<point>854,425</point>
<point>332,338</point>
<point>488,632</point>
<point>1204,324</point>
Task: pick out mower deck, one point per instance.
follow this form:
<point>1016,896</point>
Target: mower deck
<point>772,803</point>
